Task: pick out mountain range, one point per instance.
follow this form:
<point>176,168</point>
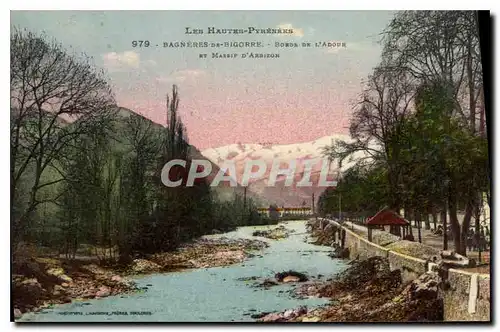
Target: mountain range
<point>283,154</point>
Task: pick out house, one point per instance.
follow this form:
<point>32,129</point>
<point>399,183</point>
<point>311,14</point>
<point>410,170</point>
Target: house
<point>397,224</point>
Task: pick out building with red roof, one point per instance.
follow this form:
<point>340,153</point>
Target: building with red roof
<point>398,225</point>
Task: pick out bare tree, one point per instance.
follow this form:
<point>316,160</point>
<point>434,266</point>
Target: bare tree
<point>443,46</point>
<point>439,46</point>
<point>377,123</point>
<point>49,89</point>
<point>137,191</point>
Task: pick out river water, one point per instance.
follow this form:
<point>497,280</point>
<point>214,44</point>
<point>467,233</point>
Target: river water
<point>210,295</point>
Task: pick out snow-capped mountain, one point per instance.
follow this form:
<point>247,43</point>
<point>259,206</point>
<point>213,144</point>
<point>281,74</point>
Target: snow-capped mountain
<point>291,196</point>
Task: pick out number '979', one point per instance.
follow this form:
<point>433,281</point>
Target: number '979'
<point>140,43</point>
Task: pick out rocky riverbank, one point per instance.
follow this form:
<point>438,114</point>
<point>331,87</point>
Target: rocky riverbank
<point>203,253</point>
<point>40,282</point>
<point>369,291</point>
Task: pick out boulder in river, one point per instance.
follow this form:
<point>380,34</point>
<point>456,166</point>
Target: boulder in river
<point>291,276</point>
<point>291,279</point>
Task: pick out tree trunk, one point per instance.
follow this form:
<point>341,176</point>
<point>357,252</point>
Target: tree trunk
<point>477,236</point>
<point>444,221</point>
<point>469,210</point>
<point>455,225</point>
<point>470,81</point>
<point>427,221</point>
<point>407,216</point>
<point>481,115</point>
<point>460,231</point>
<point>418,219</point>
<point>434,218</point>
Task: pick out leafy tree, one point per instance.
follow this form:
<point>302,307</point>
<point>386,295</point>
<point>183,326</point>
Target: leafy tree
<point>417,122</point>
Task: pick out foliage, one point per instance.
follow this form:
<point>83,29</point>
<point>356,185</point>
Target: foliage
<point>416,125</point>
<point>87,174</point>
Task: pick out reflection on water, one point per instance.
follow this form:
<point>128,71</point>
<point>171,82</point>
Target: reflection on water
<point>209,295</point>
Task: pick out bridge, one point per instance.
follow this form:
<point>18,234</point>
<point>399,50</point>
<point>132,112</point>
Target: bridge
<point>294,211</point>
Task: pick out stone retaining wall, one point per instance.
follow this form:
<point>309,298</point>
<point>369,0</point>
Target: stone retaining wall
<point>466,295</point>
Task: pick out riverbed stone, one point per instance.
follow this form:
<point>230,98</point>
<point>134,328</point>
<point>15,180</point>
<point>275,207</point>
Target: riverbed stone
<point>59,288</point>
<point>17,313</point>
<point>30,288</point>
<point>425,287</point>
<point>103,292</point>
<point>60,274</point>
<point>57,271</point>
<point>311,319</point>
<point>88,295</point>
<point>288,314</point>
<point>273,317</point>
<point>116,278</point>
<point>282,275</point>
<point>291,279</point>
<point>259,315</point>
<point>143,266</point>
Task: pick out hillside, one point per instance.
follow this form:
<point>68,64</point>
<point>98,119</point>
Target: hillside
<point>223,191</point>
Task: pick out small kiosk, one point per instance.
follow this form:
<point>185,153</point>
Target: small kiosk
<point>397,224</point>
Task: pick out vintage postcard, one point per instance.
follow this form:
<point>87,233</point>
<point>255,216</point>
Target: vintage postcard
<point>249,166</point>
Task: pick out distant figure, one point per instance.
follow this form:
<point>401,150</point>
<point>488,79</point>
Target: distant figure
<point>273,212</point>
<point>470,242</point>
<point>487,238</point>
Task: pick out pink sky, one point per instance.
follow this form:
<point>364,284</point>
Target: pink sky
<point>276,123</point>
<point>217,118</point>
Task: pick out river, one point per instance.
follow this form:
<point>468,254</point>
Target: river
<point>213,294</point>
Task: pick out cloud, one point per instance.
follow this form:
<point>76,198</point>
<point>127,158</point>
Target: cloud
<point>124,60</point>
<point>297,32</point>
<point>181,76</point>
<point>151,63</point>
